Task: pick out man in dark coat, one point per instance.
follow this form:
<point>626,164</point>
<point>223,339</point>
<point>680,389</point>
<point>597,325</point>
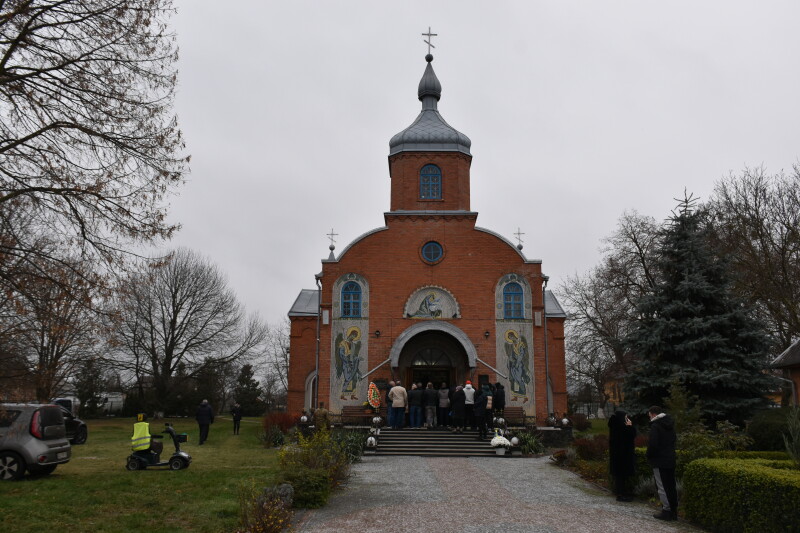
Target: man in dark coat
<point>236,413</point>
<point>415,403</point>
<point>499,399</point>
<point>204,417</point>
<point>621,455</point>
<point>661,456</point>
<point>459,411</point>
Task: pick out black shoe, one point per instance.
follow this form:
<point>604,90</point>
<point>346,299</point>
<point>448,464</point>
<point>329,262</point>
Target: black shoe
<point>665,515</point>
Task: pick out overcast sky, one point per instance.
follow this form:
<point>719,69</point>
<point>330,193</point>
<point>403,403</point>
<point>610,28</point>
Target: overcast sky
<point>578,111</point>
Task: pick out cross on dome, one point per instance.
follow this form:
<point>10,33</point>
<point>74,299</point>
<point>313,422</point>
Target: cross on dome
<point>428,40</point>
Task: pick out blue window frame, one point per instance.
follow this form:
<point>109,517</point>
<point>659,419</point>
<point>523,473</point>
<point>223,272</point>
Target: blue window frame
<point>430,183</point>
<point>351,299</point>
<point>513,299</point>
<point>432,252</point>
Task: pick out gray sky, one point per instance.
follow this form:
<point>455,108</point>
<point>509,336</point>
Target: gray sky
<point>577,111</point>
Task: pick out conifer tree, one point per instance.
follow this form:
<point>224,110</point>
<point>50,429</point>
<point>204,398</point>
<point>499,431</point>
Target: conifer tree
<point>248,392</point>
<point>692,330</point>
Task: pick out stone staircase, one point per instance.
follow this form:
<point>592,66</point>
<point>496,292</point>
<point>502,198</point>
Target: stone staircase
<point>431,443</point>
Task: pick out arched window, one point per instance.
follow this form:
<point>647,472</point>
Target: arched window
<point>512,301</point>
<point>351,299</point>
<point>430,183</point>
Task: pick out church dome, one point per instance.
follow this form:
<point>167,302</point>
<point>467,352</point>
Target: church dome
<point>429,132</point>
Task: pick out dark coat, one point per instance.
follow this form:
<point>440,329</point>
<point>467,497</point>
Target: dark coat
<point>459,399</point>
<point>621,451</point>
<point>430,398</point>
<point>479,408</point>
<point>204,414</point>
<point>236,412</point>
<point>499,397</point>
<point>415,398</point>
<point>661,443</point>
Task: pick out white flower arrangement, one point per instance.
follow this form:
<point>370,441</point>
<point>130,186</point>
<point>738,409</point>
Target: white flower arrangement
<point>499,441</point>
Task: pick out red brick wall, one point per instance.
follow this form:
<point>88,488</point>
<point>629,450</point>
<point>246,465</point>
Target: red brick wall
<point>404,170</point>
<point>302,354</point>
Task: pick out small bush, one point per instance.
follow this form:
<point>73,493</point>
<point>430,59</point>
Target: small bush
<point>742,495</point>
<point>529,443</point>
<point>640,441</point>
<point>312,486</point>
<point>317,452</point>
<point>283,421</point>
<point>771,456</point>
<point>273,437</point>
<point>267,512</point>
<point>767,429</point>
<point>351,442</point>
<point>581,422</point>
<point>591,449</point>
<point>594,470</point>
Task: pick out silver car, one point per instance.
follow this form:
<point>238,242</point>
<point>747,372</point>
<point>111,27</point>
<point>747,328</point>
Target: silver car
<point>32,438</point>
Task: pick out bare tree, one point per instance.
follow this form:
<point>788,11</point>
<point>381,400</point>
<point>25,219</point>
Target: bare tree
<point>601,303</point>
<point>89,147</point>
<point>181,313</point>
<point>756,223</point>
<point>277,353</point>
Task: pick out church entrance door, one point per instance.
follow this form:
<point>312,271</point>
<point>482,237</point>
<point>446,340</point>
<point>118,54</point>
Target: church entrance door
<point>435,357</point>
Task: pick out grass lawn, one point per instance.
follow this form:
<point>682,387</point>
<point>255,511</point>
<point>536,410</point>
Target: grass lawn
<point>599,427</point>
<point>94,491</point>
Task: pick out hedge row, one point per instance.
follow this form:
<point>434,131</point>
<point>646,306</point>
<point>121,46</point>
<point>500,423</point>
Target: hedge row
<point>742,496</point>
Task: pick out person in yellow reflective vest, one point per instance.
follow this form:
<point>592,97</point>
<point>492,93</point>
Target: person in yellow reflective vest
<point>141,434</point>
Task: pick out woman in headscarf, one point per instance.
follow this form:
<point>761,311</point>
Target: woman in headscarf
<point>621,455</point>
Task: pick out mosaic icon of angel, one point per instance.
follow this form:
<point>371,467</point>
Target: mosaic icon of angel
<point>519,369</point>
<point>348,361</point>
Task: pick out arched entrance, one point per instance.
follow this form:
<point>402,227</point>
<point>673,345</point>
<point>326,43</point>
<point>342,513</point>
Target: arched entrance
<point>432,351</point>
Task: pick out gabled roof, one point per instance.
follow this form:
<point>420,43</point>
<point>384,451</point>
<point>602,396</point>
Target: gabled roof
<point>306,303</point>
<point>551,306</point>
<point>790,357</point>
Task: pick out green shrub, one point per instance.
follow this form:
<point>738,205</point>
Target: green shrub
<point>529,443</point>
<point>352,443</point>
<point>312,486</point>
<point>767,429</point>
<point>742,496</point>
<point>581,422</point>
<point>273,437</point>
<point>792,438</point>
<point>594,470</point>
<point>317,452</point>
<point>774,456</point>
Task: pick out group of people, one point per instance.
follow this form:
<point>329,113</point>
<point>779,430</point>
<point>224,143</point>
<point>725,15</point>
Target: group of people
<point>455,408</point>
<point>205,417</point>
<point>660,454</point>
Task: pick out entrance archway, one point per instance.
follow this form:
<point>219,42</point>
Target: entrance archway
<point>432,351</point>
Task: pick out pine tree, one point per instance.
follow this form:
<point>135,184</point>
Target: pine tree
<point>694,331</point>
<point>248,392</point>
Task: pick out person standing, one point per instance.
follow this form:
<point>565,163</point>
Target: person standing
<point>389,411</point>
<point>399,399</point>
<point>430,400</point>
<point>661,456</point>
<point>415,398</point>
<point>469,405</point>
<point>621,455</point>
<point>236,413</point>
<point>480,409</point>
<point>459,411</point>
<point>204,417</point>
<point>499,399</point>
<point>444,404</point>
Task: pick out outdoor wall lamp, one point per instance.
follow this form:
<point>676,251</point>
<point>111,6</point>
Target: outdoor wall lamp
<point>486,334</point>
<point>377,333</point>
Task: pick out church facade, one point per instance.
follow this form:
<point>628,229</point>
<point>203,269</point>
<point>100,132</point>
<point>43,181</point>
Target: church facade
<point>430,296</point>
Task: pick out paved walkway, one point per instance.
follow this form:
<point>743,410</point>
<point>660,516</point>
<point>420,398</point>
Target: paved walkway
<point>476,495</point>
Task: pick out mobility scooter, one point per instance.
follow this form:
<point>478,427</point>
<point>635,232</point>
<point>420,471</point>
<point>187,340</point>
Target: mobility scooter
<point>147,450</point>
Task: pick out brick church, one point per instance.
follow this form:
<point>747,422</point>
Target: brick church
<point>429,296</point>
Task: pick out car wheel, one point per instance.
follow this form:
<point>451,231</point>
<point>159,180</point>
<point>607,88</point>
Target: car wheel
<point>41,470</point>
<point>80,436</point>
<point>133,464</point>
<point>12,466</point>
<point>176,463</point>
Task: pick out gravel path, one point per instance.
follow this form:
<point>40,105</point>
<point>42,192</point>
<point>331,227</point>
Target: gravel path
<point>476,495</point>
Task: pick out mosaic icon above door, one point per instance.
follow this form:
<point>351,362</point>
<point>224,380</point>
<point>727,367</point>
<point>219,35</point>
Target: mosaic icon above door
<point>432,303</point>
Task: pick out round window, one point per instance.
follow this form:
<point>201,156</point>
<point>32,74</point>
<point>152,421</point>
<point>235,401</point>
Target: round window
<point>432,252</point>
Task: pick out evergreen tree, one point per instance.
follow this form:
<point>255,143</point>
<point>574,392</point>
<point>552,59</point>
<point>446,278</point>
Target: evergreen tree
<point>248,392</point>
<point>693,331</point>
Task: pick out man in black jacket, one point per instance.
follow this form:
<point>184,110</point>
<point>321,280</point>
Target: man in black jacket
<point>204,417</point>
<point>661,456</point>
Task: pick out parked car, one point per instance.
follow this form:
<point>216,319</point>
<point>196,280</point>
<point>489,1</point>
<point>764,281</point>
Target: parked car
<point>32,438</point>
<point>77,432</point>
